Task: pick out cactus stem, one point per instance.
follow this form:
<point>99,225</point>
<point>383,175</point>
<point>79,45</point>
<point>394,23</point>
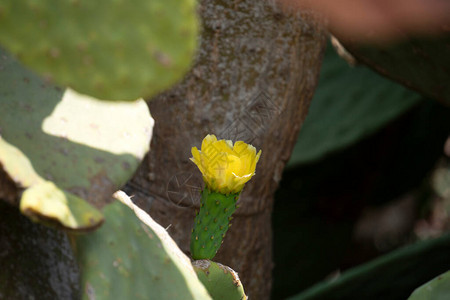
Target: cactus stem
<point>214,215</point>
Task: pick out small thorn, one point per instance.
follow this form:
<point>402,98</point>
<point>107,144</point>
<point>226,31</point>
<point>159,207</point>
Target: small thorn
<point>207,213</point>
<point>229,225</point>
<point>201,205</point>
<point>221,227</point>
<point>217,202</point>
<point>230,218</point>
<point>212,237</point>
<point>225,209</point>
<point>203,246</point>
<point>206,228</point>
<point>223,235</point>
<point>192,231</point>
<point>196,237</point>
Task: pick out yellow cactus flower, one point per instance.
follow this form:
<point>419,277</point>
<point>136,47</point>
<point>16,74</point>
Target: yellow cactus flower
<point>225,167</point>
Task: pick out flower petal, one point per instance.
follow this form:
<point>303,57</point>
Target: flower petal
<point>225,167</point>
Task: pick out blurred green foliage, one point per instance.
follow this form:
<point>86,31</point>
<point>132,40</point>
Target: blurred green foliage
<point>393,276</point>
<point>436,289</point>
<point>349,104</point>
<point>112,50</point>
<point>420,63</point>
<point>375,142</point>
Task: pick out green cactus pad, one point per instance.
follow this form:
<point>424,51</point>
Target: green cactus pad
<point>221,281</point>
<point>211,223</point>
<point>86,147</point>
<point>128,258</point>
<point>43,200</point>
<point>47,203</point>
<point>113,50</point>
<point>435,289</point>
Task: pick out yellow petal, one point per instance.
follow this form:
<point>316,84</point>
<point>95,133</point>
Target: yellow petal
<point>208,140</point>
<point>225,167</point>
<point>256,161</point>
<point>223,146</point>
<point>197,159</point>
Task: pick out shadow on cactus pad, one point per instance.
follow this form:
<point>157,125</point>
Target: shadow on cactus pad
<point>86,147</point>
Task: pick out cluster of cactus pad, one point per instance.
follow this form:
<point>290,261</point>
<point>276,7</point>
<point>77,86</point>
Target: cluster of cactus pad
<point>63,152</point>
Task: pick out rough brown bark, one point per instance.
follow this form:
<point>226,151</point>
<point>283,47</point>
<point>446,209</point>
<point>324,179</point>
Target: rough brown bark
<point>253,79</point>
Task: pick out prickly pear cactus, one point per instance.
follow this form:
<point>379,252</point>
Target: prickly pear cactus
<point>131,258</point>
<point>211,223</point>
<point>221,281</point>
<point>114,50</point>
<point>389,277</point>
<point>435,289</point>
<point>47,203</point>
<point>65,147</point>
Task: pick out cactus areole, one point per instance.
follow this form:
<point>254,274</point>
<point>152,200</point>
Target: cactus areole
<point>225,168</point>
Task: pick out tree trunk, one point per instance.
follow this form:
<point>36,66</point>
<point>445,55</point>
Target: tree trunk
<point>253,79</point>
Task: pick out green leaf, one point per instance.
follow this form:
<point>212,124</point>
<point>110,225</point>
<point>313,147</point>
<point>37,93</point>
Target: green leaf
<point>112,50</point>
<point>349,104</point>
<point>418,63</point>
<point>435,289</point>
<point>129,259</point>
<point>392,276</point>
